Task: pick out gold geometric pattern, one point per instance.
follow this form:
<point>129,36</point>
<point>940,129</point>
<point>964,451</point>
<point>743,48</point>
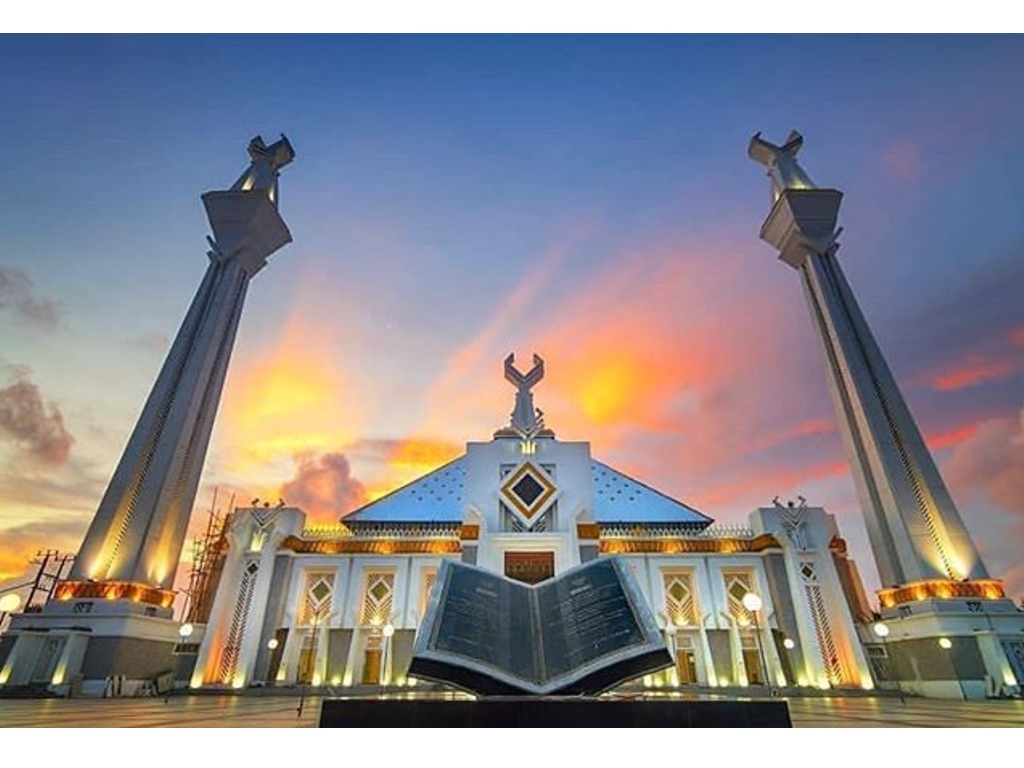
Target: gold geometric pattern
<point>319,592</point>
<point>378,599</point>
<point>680,606</point>
<point>737,585</point>
<point>429,577</point>
<point>527,491</point>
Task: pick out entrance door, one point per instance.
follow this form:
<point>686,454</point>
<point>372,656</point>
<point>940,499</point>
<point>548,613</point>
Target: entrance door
<point>753,666</point>
<point>686,663</point>
<point>371,666</point>
<point>530,567</point>
<point>307,661</point>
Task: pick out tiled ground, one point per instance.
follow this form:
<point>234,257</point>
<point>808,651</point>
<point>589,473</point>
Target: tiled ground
<point>281,712</point>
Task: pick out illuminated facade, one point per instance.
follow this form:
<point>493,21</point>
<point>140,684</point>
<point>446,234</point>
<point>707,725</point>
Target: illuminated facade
<point>935,586</point>
<point>340,606</point>
<point>113,615</point>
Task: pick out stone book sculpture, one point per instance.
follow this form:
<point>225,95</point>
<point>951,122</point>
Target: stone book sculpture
<point>583,632</point>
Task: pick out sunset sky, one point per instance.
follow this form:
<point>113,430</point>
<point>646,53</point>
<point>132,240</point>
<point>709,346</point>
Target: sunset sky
<point>457,198</point>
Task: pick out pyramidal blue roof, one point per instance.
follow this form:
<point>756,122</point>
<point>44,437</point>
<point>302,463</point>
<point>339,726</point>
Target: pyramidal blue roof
<point>618,498</point>
<point>434,498</point>
<point>437,498</point>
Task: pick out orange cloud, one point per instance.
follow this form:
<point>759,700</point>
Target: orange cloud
<point>974,372</point>
<point>412,458</point>
<point>21,543</point>
<point>288,401</point>
<point>323,487</point>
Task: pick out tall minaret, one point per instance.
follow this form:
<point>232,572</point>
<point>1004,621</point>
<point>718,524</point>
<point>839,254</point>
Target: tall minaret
<point>914,527</point>
<point>135,539</point>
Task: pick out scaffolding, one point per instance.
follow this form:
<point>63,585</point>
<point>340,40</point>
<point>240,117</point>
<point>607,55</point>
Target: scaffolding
<point>52,565</point>
<point>207,561</point>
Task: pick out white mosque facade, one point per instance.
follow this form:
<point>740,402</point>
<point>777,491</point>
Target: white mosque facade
<point>340,606</point>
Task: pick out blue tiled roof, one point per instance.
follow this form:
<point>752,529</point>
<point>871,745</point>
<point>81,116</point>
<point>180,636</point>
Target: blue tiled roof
<point>437,497</point>
<point>618,498</point>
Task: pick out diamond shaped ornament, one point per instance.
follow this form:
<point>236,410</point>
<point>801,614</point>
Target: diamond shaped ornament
<point>528,491</point>
<point>321,590</point>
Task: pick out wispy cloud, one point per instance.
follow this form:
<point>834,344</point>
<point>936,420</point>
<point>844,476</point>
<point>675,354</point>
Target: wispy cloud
<point>18,296</point>
<point>155,343</point>
<point>35,427</point>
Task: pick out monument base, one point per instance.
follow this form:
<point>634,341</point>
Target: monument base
<point>552,712</point>
<point>117,649</point>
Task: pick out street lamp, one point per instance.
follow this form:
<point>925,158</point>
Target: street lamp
<point>752,603</point>
<point>881,629</point>
<point>788,644</point>
<point>388,631</point>
<point>272,643</point>
<point>946,644</point>
<point>185,631</point>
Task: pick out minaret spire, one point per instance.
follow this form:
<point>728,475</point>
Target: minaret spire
<point>915,529</point>
<point>136,537</point>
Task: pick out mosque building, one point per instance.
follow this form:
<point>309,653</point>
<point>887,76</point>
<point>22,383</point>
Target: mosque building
<point>341,605</point>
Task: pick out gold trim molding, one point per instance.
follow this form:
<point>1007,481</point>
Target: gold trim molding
<point>372,546</point>
<point>942,589</point>
<point>114,590</point>
<point>687,546</point>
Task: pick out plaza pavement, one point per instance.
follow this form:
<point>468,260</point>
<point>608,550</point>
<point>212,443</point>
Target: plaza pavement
<point>280,711</point>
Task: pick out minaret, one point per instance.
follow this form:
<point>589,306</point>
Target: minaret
<point>135,540</point>
<point>915,530</point>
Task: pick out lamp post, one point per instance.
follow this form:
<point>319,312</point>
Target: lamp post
<point>752,602</point>
<point>317,615</point>
<point>789,644</point>
<point>388,632</point>
<point>947,645</point>
<point>185,631</point>
<point>272,645</point>
<point>881,629</point>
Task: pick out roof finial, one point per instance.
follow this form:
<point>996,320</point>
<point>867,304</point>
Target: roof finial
<point>524,417</point>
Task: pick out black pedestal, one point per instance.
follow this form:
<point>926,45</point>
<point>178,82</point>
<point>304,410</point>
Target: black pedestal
<point>552,712</point>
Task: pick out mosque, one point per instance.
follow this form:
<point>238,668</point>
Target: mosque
<point>342,605</point>
<point>776,603</point>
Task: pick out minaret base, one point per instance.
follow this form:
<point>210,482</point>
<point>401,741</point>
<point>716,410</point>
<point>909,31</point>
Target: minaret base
<point>969,647</point>
<point>117,648</point>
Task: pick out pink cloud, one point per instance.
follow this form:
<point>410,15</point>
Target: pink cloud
<point>903,160</point>
<point>323,487</point>
<point>974,371</point>
<point>989,467</point>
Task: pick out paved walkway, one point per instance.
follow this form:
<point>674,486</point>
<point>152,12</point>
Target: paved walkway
<point>207,711</point>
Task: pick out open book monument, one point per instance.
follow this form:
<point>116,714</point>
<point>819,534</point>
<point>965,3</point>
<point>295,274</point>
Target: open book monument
<point>583,632</point>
